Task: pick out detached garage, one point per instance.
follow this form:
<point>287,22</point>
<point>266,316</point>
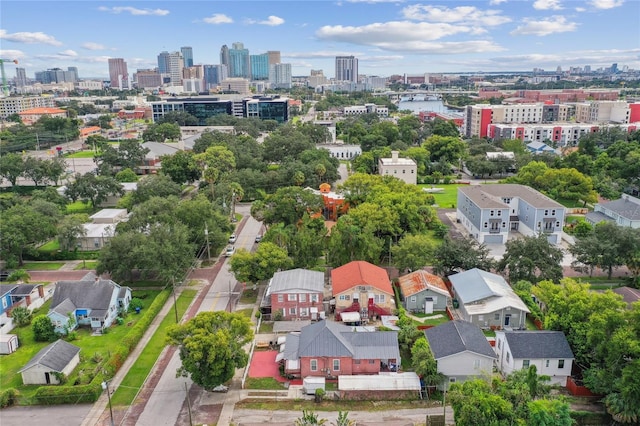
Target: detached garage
<point>8,344</point>
<point>58,357</point>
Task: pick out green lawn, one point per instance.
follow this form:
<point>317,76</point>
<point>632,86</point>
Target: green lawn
<point>447,199</point>
<point>249,296</point>
<point>87,264</point>
<point>571,203</point>
<point>265,383</point>
<point>93,350</point>
<point>42,266</point>
<point>52,245</point>
<point>266,327</point>
<point>81,154</point>
<point>137,374</point>
<point>436,321</point>
<point>79,207</point>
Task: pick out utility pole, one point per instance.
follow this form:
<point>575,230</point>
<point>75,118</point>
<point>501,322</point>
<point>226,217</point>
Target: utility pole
<point>175,305</point>
<point>105,386</point>
<point>206,234</point>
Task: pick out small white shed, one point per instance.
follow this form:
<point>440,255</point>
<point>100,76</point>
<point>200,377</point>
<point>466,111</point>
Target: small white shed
<point>310,384</point>
<point>8,344</point>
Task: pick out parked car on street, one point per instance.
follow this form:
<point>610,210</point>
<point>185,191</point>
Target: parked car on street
<point>230,251</point>
<point>258,238</point>
<point>233,238</point>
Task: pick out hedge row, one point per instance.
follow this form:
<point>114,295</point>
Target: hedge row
<point>90,393</point>
<point>8,397</point>
<point>50,256</point>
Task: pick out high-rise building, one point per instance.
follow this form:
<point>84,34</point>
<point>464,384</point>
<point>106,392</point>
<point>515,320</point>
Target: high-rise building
<point>147,79</point>
<point>259,66</point>
<point>163,62</point>
<point>74,71</point>
<point>213,75</point>
<point>280,76</point>
<point>224,57</point>
<point>187,55</point>
<point>118,74</point>
<point>614,68</point>
<point>239,61</point>
<point>347,68</point>
<point>174,64</point>
<point>21,77</point>
<point>274,57</point>
<point>53,75</point>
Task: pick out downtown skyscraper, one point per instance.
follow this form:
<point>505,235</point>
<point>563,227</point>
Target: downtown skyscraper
<point>118,73</point>
<point>187,56</point>
<point>347,68</point>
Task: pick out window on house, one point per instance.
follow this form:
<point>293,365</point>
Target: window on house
<point>486,224</point>
<point>302,298</point>
<point>546,364</point>
<point>496,317</point>
<point>281,298</point>
<point>292,311</point>
<point>313,297</point>
<point>413,299</point>
<point>336,365</point>
<point>508,357</point>
<point>291,297</point>
<point>561,363</point>
<point>304,312</point>
<point>378,298</point>
<point>546,212</point>
<point>372,361</point>
<point>491,213</point>
<point>356,361</point>
<point>553,212</point>
<point>452,379</point>
<point>476,363</point>
<point>314,365</point>
<point>525,363</point>
<point>480,317</point>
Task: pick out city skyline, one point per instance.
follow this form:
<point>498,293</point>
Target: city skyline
<point>387,37</point>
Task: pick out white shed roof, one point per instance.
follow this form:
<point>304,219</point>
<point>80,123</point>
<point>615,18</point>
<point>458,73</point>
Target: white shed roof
<point>381,382</point>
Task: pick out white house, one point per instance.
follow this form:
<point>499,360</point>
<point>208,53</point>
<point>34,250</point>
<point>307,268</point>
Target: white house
<point>58,357</point>
<point>548,350</point>
<point>404,169</point>
<point>624,211</point>
<point>461,350</point>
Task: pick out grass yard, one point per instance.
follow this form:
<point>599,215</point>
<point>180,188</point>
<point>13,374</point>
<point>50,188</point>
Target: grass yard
<point>93,350</point>
<point>140,369</point>
<point>42,266</point>
<point>249,296</point>
<point>436,320</point>
<point>264,383</point>
<point>266,327</point>
<point>52,245</point>
<point>79,207</point>
<point>246,312</point>
<point>81,154</point>
<point>447,198</point>
<point>87,265</point>
<point>334,405</point>
<point>144,283</point>
<point>572,203</point>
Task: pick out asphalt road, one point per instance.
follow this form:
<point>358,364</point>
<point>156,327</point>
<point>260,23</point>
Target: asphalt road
<point>56,415</point>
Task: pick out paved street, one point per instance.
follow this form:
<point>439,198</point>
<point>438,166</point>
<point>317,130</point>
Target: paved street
<point>55,415</point>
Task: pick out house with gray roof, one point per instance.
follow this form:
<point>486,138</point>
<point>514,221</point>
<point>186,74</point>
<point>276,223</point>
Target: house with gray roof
<point>487,300</point>
<point>330,349</point>
<point>623,212</point>
<point>294,295</point>
<point>91,301</point>
<point>548,350</point>
<point>461,351</point>
<point>58,357</point>
<point>490,212</point>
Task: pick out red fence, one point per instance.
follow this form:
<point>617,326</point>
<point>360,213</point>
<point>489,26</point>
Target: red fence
<point>577,390</point>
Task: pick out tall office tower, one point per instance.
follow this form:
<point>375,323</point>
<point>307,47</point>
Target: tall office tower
<point>224,57</point>
<point>148,79</point>
<point>53,75</point>
<point>213,75</point>
<point>187,55</point>
<point>316,78</point>
<point>176,64</point>
<point>21,77</point>
<point>587,69</point>
<point>274,57</point>
<point>163,62</point>
<point>347,68</point>
<point>614,68</point>
<point>118,73</point>
<point>74,71</point>
<point>259,66</point>
<point>239,61</point>
<point>280,76</point>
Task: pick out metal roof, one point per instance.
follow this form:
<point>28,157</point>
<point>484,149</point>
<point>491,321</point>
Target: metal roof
<point>482,292</point>
<point>535,344</point>
<point>380,382</point>
<point>420,281</point>
<point>296,281</point>
<point>455,337</point>
<point>627,207</point>
<point>55,356</point>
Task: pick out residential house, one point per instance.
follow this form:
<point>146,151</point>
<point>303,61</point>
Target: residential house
<point>363,288</point>
<point>295,294</point>
<point>92,301</point>
<point>30,296</point>
<point>487,300</point>
<point>490,212</point>
<point>404,169</point>
<point>58,357</point>
<point>629,295</point>
<point>330,349</point>
<point>624,211</point>
<point>5,298</point>
<point>461,351</point>
<point>548,350</point>
<point>423,292</point>
<point>102,228</point>
<point>538,147</point>
<point>153,158</point>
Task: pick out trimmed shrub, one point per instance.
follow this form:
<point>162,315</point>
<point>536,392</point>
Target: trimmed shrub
<point>8,397</point>
<point>53,395</point>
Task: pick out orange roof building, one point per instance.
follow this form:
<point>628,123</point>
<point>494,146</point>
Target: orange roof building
<point>362,287</point>
<point>423,292</point>
<point>30,116</point>
<point>88,131</point>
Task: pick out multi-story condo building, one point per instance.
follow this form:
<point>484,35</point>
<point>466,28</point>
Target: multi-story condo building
<point>603,112</point>
<point>347,68</point>
<point>147,79</point>
<point>21,77</point>
<point>491,212</point>
<point>55,75</point>
<point>202,107</point>
<point>235,85</point>
<point>274,57</point>
<point>74,72</point>
<point>90,85</point>
<point>280,76</point>
<point>239,61</point>
<point>170,66</point>
<point>15,105</point>
<point>118,73</point>
<point>562,134</point>
<point>224,57</point>
<point>259,66</point>
<point>187,55</point>
<point>381,111</point>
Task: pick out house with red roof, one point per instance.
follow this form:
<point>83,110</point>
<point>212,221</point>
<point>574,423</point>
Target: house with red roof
<point>30,116</point>
<point>363,289</point>
<point>423,292</point>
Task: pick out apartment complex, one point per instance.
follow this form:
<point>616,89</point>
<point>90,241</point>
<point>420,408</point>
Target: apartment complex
<point>15,105</point>
<point>347,68</point>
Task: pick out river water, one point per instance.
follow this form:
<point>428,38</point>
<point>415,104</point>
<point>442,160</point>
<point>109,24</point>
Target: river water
<point>434,106</point>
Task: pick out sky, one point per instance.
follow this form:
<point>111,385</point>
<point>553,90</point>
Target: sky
<point>387,37</point>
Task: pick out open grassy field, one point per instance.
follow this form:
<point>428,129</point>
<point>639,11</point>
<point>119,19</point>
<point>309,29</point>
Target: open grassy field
<point>87,265</point>
<point>81,154</point>
<point>42,266</point>
<point>79,207</point>
<point>448,198</point>
<point>140,369</point>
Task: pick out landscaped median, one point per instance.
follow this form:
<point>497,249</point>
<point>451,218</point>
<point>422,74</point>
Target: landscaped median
<point>139,371</point>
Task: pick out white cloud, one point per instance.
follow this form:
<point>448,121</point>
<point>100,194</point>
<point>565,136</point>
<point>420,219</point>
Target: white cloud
<point>93,46</point>
<point>12,54</point>
<point>390,32</point>
<point>442,48</point>
<point>68,53</point>
<point>272,21</point>
<point>606,4</point>
<point>375,1</point>
<point>496,2</point>
<point>544,27</point>
<point>134,11</point>
<point>218,18</point>
<point>30,38</point>
<point>319,54</point>
<point>469,15</point>
<point>547,5</point>
<point>580,9</point>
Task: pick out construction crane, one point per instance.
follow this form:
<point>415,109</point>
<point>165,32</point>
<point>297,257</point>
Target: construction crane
<point>5,86</point>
